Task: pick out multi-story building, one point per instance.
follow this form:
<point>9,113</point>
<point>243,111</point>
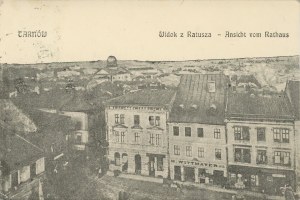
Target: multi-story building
<point>197,137</point>
<point>137,132</point>
<point>293,92</point>
<point>260,132</point>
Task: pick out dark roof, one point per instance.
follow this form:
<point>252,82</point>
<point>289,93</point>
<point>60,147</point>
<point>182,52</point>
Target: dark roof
<point>194,103</point>
<point>78,103</point>
<point>250,106</point>
<point>144,98</point>
<point>19,151</point>
<point>293,91</point>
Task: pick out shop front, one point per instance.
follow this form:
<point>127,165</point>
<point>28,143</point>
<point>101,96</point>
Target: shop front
<point>198,172</point>
<point>260,180</point>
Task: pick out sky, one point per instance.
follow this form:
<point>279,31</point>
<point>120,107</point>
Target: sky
<point>93,30</point>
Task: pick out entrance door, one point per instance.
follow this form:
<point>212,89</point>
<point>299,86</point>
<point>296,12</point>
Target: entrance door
<point>151,166</point>
<point>125,161</point>
<point>138,164</point>
<point>177,173</point>
<point>14,179</point>
<point>219,177</point>
<point>189,173</point>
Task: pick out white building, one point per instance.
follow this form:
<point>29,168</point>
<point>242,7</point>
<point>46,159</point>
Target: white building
<point>261,136</point>
<point>137,132</point>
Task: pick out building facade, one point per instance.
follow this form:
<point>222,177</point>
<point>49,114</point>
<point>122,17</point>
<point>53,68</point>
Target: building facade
<point>197,143</point>
<point>261,136</point>
<point>137,132</point>
<point>292,91</point>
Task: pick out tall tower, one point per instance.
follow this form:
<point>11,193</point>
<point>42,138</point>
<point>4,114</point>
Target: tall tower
<point>111,61</point>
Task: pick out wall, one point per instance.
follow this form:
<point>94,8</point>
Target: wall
<point>269,144</point>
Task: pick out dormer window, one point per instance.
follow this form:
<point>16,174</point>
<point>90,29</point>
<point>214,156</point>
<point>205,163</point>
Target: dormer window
<point>211,86</point>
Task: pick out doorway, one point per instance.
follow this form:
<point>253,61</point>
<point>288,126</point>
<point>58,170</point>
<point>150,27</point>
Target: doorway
<point>189,173</point>
<point>151,166</point>
<point>138,164</point>
<point>177,173</point>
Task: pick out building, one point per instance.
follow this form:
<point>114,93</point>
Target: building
<point>79,109</point>
<point>260,138</point>
<point>137,132</point>
<point>112,72</point>
<point>293,92</point>
<point>197,137</point>
<point>22,165</point>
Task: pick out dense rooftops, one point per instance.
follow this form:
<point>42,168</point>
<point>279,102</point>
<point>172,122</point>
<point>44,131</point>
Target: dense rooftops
<point>144,98</point>
<point>250,106</point>
<point>200,98</point>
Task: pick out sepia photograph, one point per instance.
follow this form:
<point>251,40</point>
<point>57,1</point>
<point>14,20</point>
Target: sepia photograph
<point>149,100</point>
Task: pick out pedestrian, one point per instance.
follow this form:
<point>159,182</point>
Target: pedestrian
<point>289,194</point>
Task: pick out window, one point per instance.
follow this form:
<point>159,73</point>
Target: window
<point>200,132</point>
<point>282,158</point>
<point>261,134</point>
<point>122,119</point>
<point>261,157</point>
<point>157,121</point>
<point>137,138</point>
<point>136,120</point>
<point>117,136</point>
<point>200,152</point>
<point>157,139</point>
<point>176,150</point>
<point>122,137</point>
<point>117,118</point>
<point>152,138</point>
<point>211,86</point>
<point>160,163</point>
<point>188,131</point>
<point>218,154</point>
<point>285,136</point>
<point>151,120</point>
<point>175,130</point>
<point>276,134</point>
<point>241,133</point>
<point>78,139</point>
<point>217,133</point>
<point>242,155</point>
<point>189,151</point>
<point>78,125</point>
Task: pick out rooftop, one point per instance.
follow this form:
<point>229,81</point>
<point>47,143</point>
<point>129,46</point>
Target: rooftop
<point>250,106</point>
<point>144,98</point>
<point>293,91</point>
<point>194,103</point>
<point>18,152</point>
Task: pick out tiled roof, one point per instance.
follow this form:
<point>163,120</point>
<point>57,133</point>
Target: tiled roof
<point>250,106</point>
<point>293,90</point>
<point>195,104</point>
<point>18,151</point>
<point>144,98</point>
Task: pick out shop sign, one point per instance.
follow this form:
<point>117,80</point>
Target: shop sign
<point>278,175</point>
<point>196,163</point>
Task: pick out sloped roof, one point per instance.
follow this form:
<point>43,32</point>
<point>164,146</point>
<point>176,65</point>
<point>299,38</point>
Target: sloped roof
<point>19,151</point>
<point>78,103</point>
<point>13,118</point>
<point>249,106</point>
<point>293,91</point>
<point>112,71</point>
<point>144,98</point>
<point>193,101</point>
